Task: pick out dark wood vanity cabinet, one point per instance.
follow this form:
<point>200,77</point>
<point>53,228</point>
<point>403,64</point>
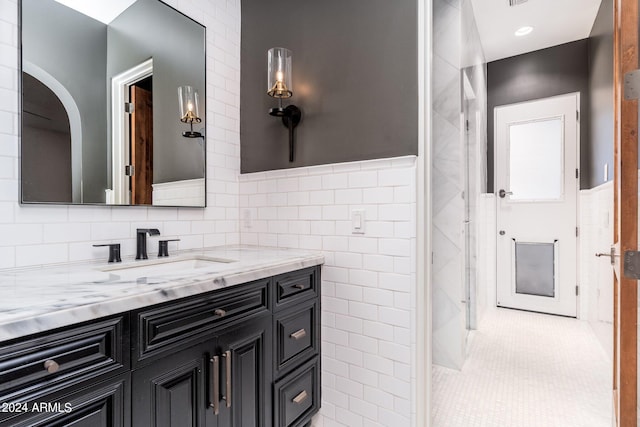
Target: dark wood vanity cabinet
<point>244,356</point>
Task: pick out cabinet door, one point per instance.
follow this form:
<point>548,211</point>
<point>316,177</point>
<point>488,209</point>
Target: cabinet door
<point>173,390</point>
<point>245,373</point>
<point>105,404</point>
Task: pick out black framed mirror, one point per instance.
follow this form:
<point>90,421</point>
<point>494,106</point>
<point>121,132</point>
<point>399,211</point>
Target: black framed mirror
<point>100,115</point>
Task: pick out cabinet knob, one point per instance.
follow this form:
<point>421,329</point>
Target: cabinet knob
<point>301,397</point>
<point>51,366</point>
<point>219,312</point>
<point>299,286</point>
<point>299,334</point>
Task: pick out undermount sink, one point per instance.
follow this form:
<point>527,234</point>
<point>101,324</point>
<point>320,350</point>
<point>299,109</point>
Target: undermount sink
<point>158,267</point>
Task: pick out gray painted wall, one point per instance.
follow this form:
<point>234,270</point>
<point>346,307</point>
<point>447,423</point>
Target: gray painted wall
<point>54,40</point>
<point>354,77</point>
<point>544,73</point>
<point>147,29</point>
<point>601,91</point>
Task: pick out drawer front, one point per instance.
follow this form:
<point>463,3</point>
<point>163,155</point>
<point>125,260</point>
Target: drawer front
<point>49,362</point>
<point>297,336</point>
<point>297,396</point>
<point>296,286</point>
<point>174,325</point>
<point>103,404</point>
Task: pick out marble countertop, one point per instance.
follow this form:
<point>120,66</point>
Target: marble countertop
<point>39,299</point>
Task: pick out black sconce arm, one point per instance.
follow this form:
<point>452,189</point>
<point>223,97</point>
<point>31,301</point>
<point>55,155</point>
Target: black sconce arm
<point>291,116</point>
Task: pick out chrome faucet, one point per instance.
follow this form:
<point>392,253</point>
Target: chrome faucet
<point>141,241</point>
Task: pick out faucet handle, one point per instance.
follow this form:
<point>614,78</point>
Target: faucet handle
<point>114,251</point>
<point>163,247</point>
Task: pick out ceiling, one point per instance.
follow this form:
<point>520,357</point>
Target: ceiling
<point>554,22</point>
<point>103,11</point>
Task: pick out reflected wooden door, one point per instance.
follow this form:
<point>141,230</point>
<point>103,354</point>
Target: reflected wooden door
<point>625,356</point>
<point>141,146</point>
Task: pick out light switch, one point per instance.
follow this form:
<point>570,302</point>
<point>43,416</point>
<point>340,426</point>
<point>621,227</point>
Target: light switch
<point>357,221</point>
<point>606,172</point>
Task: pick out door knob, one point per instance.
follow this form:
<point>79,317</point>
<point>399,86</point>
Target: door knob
<point>503,193</point>
<point>502,232</point>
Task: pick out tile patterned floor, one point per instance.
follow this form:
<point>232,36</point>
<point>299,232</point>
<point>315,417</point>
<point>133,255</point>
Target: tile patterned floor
<point>526,370</point>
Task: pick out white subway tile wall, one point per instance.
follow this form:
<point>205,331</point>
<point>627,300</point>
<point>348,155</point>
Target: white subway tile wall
<point>368,281</point>
<point>35,235</point>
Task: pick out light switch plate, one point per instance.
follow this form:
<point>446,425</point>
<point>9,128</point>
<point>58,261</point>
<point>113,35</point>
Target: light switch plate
<point>358,221</point>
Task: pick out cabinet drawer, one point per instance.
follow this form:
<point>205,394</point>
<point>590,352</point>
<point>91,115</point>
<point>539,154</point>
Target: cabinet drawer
<point>297,337</point>
<point>297,396</point>
<point>174,325</point>
<point>296,286</point>
<point>46,363</point>
<point>105,404</point>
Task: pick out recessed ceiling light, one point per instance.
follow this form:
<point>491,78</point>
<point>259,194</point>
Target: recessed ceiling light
<point>523,31</point>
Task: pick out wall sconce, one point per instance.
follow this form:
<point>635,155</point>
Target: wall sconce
<point>279,86</point>
<point>189,110</point>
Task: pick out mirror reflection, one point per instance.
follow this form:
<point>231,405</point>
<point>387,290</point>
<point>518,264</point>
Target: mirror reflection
<point>101,111</point>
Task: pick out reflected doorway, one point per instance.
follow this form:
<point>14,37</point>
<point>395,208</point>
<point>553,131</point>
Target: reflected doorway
<point>46,158</point>
<point>141,142</point>
<point>132,136</point>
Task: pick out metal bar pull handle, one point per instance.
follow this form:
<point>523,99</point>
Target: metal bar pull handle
<point>299,334</point>
<point>299,286</point>
<point>215,393</point>
<point>301,397</point>
<point>227,393</point>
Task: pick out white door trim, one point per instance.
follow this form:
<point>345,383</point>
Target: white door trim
<point>422,389</point>
<point>120,127</point>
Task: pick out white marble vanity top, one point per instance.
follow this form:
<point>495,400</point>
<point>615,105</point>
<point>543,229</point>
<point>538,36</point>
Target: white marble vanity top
<point>39,299</point>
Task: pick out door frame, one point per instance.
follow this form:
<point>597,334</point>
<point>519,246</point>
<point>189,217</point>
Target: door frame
<point>422,384</point>
<point>120,128</point>
<point>577,96</point>
<point>625,234</point>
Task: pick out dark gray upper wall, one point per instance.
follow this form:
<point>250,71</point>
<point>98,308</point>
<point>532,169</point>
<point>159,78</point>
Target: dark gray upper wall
<point>601,92</point>
<point>149,28</point>
<point>354,77</point>
<point>544,73</point>
<point>53,37</point>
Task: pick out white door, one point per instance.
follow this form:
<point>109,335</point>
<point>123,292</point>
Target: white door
<point>537,185</point>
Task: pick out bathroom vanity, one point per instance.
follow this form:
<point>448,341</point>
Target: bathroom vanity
<point>220,337</point>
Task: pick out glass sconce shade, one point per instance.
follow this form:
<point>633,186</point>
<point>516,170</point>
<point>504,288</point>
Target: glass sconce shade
<point>279,73</point>
<point>189,112</point>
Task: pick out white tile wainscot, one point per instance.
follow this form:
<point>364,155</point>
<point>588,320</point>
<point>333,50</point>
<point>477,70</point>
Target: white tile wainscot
<point>596,278</point>
<point>368,280</point>
<point>188,192</point>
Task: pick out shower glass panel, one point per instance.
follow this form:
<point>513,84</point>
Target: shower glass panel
<point>535,156</point>
<point>535,269</point>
